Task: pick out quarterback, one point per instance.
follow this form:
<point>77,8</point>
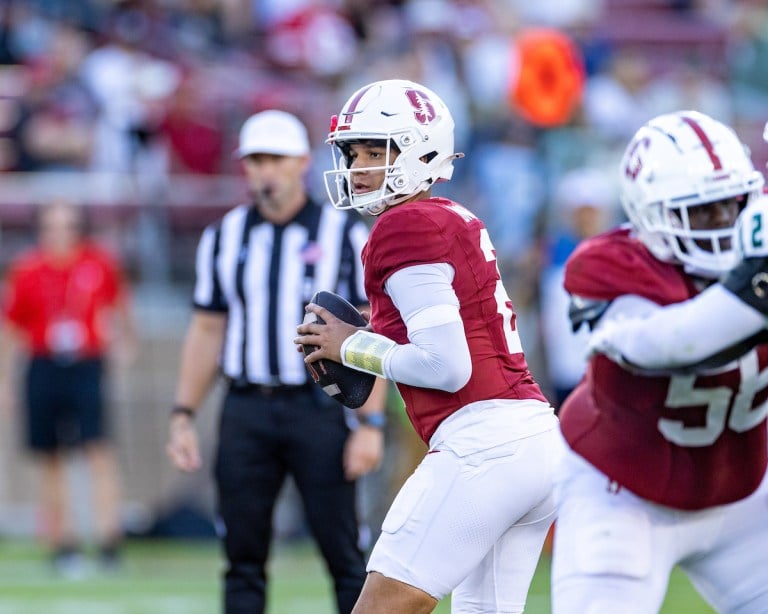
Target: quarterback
<point>472,518</point>
<point>667,430</point>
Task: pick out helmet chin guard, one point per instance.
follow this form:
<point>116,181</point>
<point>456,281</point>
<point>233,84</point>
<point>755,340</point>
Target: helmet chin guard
<point>674,163</point>
<point>406,116</point>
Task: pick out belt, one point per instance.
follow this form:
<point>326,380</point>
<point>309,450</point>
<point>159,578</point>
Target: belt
<point>245,387</point>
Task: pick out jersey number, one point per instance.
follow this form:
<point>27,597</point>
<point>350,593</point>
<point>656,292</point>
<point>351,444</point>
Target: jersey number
<point>503,303</point>
<point>751,234</point>
<point>757,231</point>
<point>742,416</point>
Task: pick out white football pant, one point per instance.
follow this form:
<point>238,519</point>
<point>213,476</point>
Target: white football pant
<point>614,552</point>
<point>473,524</point>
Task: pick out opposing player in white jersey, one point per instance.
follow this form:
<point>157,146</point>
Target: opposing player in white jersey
<point>472,518</point>
<point>667,431</point>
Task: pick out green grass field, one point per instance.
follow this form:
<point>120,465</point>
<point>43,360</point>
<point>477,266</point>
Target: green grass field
<point>173,577</point>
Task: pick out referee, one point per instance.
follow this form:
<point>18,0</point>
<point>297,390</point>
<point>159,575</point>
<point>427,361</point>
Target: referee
<point>256,269</point>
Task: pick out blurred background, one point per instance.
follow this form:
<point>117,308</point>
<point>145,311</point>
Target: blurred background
<point>132,108</point>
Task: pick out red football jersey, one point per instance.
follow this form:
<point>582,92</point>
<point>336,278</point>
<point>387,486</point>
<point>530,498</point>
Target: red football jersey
<point>685,441</point>
<point>436,231</point>
<point>59,306</point>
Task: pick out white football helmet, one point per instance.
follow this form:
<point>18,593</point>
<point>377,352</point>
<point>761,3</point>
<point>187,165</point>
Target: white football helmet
<point>673,163</point>
<point>409,117</point>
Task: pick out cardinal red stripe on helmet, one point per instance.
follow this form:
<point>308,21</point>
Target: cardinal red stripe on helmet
<point>352,107</point>
<point>705,141</point>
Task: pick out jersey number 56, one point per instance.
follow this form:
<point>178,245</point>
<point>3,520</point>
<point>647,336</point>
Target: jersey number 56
<point>741,417</point>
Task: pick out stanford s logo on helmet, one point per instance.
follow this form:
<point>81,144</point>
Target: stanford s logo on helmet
<point>424,112</point>
<point>634,162</point>
<point>674,163</point>
<point>412,120</point>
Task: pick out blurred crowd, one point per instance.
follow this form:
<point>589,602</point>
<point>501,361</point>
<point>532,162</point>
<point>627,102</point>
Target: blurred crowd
<point>156,89</point>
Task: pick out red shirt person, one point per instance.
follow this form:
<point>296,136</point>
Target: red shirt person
<point>59,303</point>
<point>57,306</point>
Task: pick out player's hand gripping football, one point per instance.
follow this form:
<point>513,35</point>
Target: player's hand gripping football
<point>326,338</point>
<point>329,320</point>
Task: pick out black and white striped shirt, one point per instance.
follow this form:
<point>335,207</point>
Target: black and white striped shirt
<point>262,275</point>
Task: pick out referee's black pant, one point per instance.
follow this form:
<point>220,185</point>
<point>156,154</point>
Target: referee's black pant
<point>263,436</point>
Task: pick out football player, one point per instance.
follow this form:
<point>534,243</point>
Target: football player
<point>667,430</point>
<point>473,517</point>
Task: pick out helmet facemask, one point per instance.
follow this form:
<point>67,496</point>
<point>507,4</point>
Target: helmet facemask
<point>706,251</point>
<point>375,201</point>
<point>667,230</point>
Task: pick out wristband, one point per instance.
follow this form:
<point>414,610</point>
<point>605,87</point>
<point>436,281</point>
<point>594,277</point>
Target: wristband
<point>366,351</point>
<point>181,410</point>
<point>377,420</point>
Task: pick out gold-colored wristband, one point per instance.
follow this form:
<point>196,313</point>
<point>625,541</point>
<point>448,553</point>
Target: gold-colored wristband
<point>366,351</point>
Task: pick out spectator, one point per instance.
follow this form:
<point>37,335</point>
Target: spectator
<point>57,130</point>
<point>132,88</point>
<point>194,131</point>
<point>256,269</point>
<point>56,307</point>
<point>614,98</point>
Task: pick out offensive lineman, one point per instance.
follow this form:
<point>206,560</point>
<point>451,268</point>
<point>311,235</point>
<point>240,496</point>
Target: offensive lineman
<point>667,430</point>
<point>473,516</point>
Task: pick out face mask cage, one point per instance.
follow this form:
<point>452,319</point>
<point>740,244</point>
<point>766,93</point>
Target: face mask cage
<point>705,252</point>
<point>393,189</point>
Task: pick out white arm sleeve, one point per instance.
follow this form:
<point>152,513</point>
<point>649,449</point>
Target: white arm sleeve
<point>437,355</point>
<point>675,335</point>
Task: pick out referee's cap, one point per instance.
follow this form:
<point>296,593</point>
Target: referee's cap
<point>273,132</point>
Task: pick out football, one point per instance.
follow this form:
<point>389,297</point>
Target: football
<point>348,386</point>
